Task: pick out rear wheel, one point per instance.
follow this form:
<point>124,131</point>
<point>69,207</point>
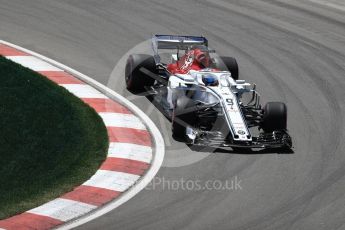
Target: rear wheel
<point>139,67</point>
<point>227,64</point>
<point>274,117</point>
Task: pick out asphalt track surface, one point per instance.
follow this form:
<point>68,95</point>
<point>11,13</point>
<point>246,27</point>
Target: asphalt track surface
<point>294,51</point>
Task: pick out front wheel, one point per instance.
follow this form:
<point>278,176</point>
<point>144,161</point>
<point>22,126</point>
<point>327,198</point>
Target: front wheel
<point>274,117</point>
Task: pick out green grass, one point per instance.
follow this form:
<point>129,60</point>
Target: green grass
<point>50,141</point>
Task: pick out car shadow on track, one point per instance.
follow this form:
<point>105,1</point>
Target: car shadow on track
<point>241,151</point>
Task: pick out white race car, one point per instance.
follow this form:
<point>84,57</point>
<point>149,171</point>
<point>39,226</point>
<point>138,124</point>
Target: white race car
<point>201,94</point>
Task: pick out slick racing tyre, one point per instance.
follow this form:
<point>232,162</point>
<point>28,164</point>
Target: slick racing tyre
<point>274,117</point>
<point>227,64</point>
<point>138,72</point>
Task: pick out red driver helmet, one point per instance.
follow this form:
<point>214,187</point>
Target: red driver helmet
<point>202,56</point>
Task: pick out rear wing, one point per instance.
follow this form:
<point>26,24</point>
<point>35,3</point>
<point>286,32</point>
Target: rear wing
<point>179,42</point>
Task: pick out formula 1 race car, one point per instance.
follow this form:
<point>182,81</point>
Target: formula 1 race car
<point>201,93</point>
